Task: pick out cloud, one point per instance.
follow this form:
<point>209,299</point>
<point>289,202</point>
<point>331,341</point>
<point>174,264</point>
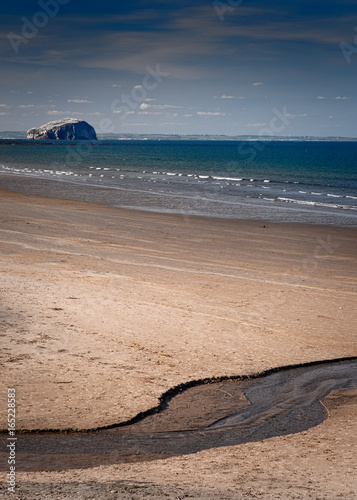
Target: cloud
<point>25,106</point>
<point>249,49</point>
<point>2,113</point>
<point>179,37</point>
<point>210,113</point>
<point>176,37</point>
<point>120,112</point>
<point>4,106</point>
<point>80,101</point>
<point>55,112</point>
<point>339,98</point>
<point>295,115</point>
<point>230,97</point>
<point>159,106</point>
<point>224,96</point>
<point>173,123</point>
<point>256,124</point>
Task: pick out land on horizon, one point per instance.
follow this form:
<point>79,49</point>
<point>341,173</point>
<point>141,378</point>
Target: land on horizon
<point>21,135</point>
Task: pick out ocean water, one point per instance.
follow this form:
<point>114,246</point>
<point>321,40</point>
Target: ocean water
<point>314,182</point>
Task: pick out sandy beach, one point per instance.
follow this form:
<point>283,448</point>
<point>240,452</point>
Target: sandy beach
<point>104,309</point>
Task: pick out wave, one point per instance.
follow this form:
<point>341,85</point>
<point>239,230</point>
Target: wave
<point>316,203</point>
<point>97,174</point>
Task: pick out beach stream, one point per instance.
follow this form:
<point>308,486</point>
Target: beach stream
<point>197,416</point>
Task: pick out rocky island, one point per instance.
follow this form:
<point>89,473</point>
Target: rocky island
<point>68,129</point>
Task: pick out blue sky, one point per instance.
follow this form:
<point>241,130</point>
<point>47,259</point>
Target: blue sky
<point>225,67</point>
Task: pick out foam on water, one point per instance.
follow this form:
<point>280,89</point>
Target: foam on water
<point>212,175</point>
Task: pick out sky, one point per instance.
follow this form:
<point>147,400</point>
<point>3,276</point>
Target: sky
<point>232,67</point>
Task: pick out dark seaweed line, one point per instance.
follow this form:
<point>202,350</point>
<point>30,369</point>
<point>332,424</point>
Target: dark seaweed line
<point>167,396</point>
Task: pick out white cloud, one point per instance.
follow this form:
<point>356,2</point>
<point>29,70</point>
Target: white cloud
<point>224,96</point>
<point>257,84</point>
<point>159,106</point>
<point>210,113</point>
<point>339,98</point>
<point>3,113</point>
<point>4,106</point>
<point>175,124</point>
<point>138,87</point>
<point>119,112</point>
<point>295,115</point>
<point>188,115</point>
<point>115,86</point>
<point>320,97</point>
<point>55,112</point>
<point>80,101</point>
<point>25,106</point>
<point>256,124</point>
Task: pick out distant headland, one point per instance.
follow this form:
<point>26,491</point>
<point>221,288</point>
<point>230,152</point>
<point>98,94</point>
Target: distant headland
<point>20,135</point>
<point>67,129</point>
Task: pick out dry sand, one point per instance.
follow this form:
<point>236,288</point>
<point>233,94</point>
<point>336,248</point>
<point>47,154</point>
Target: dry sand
<point>103,309</point>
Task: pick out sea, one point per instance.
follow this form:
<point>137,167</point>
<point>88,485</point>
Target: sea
<point>281,181</point>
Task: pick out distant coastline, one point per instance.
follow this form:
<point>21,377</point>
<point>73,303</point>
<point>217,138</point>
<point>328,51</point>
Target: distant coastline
<point>21,135</point>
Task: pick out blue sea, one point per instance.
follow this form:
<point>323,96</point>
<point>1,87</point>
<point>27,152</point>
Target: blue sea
<point>284,181</point>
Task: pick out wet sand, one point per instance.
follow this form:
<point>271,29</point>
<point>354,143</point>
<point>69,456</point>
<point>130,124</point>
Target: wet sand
<point>209,415</point>
<point>104,309</point>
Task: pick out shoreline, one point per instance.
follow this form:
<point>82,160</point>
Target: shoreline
<point>102,195</point>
